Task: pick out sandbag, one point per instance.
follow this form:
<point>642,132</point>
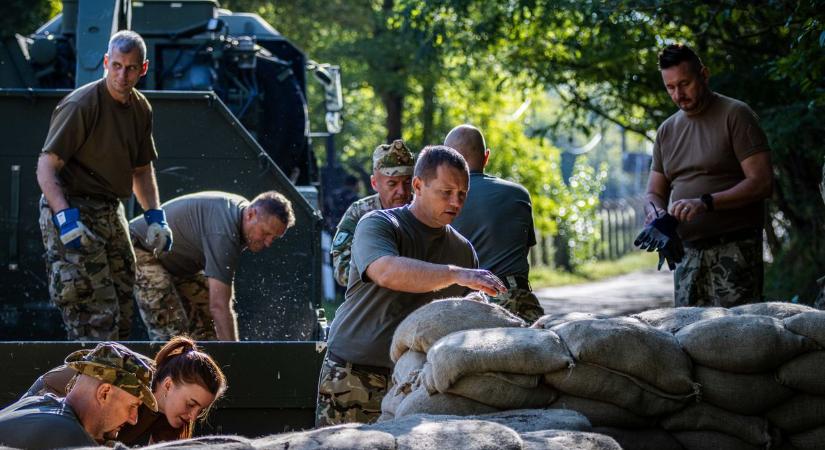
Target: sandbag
<point>339,437</point>
<point>645,439</point>
<point>777,310</point>
<point>423,432</point>
<point>702,440</point>
<point>808,324</point>
<point>420,402</point>
<point>801,412</point>
<point>813,439</point>
<point>492,389</point>
<point>527,351</point>
<point>394,396</point>
<point>551,320</point>
<point>748,394</point>
<point>217,442</point>
<point>410,362</point>
<point>429,323</point>
<point>566,440</point>
<point>672,320</point>
<point>631,347</point>
<point>705,417</point>
<point>742,344</point>
<point>602,414</point>
<point>529,420</point>
<point>593,382</point>
<point>804,373</point>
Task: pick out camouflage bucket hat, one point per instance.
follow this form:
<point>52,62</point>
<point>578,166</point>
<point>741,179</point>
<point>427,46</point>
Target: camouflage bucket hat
<point>115,364</point>
<point>393,159</point>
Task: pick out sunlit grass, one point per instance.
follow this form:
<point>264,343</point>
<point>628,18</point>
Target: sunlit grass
<point>594,271</point>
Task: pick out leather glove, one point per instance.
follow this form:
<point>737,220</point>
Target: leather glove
<point>158,234</point>
<point>73,233</point>
<point>672,253</point>
<point>660,235</point>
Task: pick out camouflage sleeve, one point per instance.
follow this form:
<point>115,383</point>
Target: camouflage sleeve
<point>341,250</point>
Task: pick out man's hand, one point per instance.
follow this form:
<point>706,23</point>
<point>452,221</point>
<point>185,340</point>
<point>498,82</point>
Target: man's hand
<point>158,234</point>
<point>480,280</point>
<point>686,209</point>
<point>73,233</point>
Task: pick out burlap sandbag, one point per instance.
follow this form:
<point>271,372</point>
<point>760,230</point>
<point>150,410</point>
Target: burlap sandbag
<point>593,382</point>
<point>529,420</point>
<point>551,320</point>
<point>809,324</point>
<point>216,442</point>
<point>641,439</point>
<point>424,432</point>
<point>742,344</point>
<point>419,401</point>
<point>494,390</point>
<point>706,417</point>
<point>631,347</point>
<point>429,323</point>
<point>804,373</point>
<point>603,414</point>
<point>748,394</point>
<point>813,439</point>
<point>777,310</point>
<point>672,320</point>
<point>343,437</point>
<point>527,351</point>
<point>801,412</point>
<point>408,363</point>
<point>393,398</point>
<point>566,440</point>
<point>703,440</point>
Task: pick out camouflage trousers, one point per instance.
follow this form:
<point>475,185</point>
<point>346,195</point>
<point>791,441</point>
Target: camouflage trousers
<point>349,394</point>
<point>725,275</point>
<point>171,305</point>
<point>92,286</point>
<point>519,300</point>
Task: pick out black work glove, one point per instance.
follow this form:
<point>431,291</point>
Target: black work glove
<point>660,235</point>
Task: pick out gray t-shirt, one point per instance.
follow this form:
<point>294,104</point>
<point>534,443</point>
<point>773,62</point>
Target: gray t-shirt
<point>364,324</point>
<point>42,422</point>
<point>206,227</point>
<point>497,218</point>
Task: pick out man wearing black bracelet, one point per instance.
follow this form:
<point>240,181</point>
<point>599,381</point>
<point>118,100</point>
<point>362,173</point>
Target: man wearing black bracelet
<point>711,163</point>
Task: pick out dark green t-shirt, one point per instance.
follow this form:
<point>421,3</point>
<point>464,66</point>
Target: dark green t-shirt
<point>207,231</point>
<point>42,422</point>
<point>497,218</point>
<point>364,324</point>
<point>101,141</point>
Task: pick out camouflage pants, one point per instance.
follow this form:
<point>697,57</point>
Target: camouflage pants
<point>519,301</point>
<point>171,305</point>
<point>92,286</point>
<point>349,394</point>
<point>726,275</point>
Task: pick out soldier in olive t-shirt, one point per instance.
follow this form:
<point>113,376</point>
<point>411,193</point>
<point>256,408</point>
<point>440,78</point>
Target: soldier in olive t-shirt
<point>42,422</point>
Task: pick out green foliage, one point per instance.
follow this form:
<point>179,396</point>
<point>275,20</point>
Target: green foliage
<point>24,16</point>
<point>594,270</point>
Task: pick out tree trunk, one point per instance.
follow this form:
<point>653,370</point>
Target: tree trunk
<point>394,104</point>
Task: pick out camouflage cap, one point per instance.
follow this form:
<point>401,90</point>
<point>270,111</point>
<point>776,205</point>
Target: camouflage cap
<point>115,364</point>
<point>393,159</point>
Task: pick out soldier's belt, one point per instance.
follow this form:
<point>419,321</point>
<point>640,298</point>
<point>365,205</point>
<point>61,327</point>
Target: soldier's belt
<point>342,362</point>
<point>724,238</point>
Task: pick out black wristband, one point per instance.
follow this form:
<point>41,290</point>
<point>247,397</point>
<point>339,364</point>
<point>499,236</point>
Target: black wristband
<point>707,199</point>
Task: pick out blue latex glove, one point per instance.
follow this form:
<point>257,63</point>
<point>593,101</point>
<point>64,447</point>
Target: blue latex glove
<point>158,234</point>
<point>73,233</point>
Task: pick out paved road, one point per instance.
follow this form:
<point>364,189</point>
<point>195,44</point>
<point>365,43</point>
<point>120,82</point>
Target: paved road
<point>626,294</point>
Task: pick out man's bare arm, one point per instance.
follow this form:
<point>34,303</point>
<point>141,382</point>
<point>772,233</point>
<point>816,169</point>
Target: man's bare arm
<point>48,166</point>
<point>411,275</point>
<point>145,187</point>
<point>658,192</point>
<point>220,305</point>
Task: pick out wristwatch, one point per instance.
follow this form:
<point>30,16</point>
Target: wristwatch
<point>707,199</point>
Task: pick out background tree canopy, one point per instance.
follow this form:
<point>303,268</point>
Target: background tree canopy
<point>530,71</point>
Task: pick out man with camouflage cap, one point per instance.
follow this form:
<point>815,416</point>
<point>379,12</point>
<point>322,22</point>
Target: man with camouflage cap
<point>111,383</point>
<point>392,169</point>
<point>498,219</point>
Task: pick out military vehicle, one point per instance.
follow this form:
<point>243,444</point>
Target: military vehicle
<point>229,95</point>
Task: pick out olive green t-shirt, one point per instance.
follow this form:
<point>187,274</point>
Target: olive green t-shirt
<point>207,227</point>
<point>701,154</point>
<point>42,422</point>
<point>497,218</point>
<point>101,141</point>
<point>364,324</point>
